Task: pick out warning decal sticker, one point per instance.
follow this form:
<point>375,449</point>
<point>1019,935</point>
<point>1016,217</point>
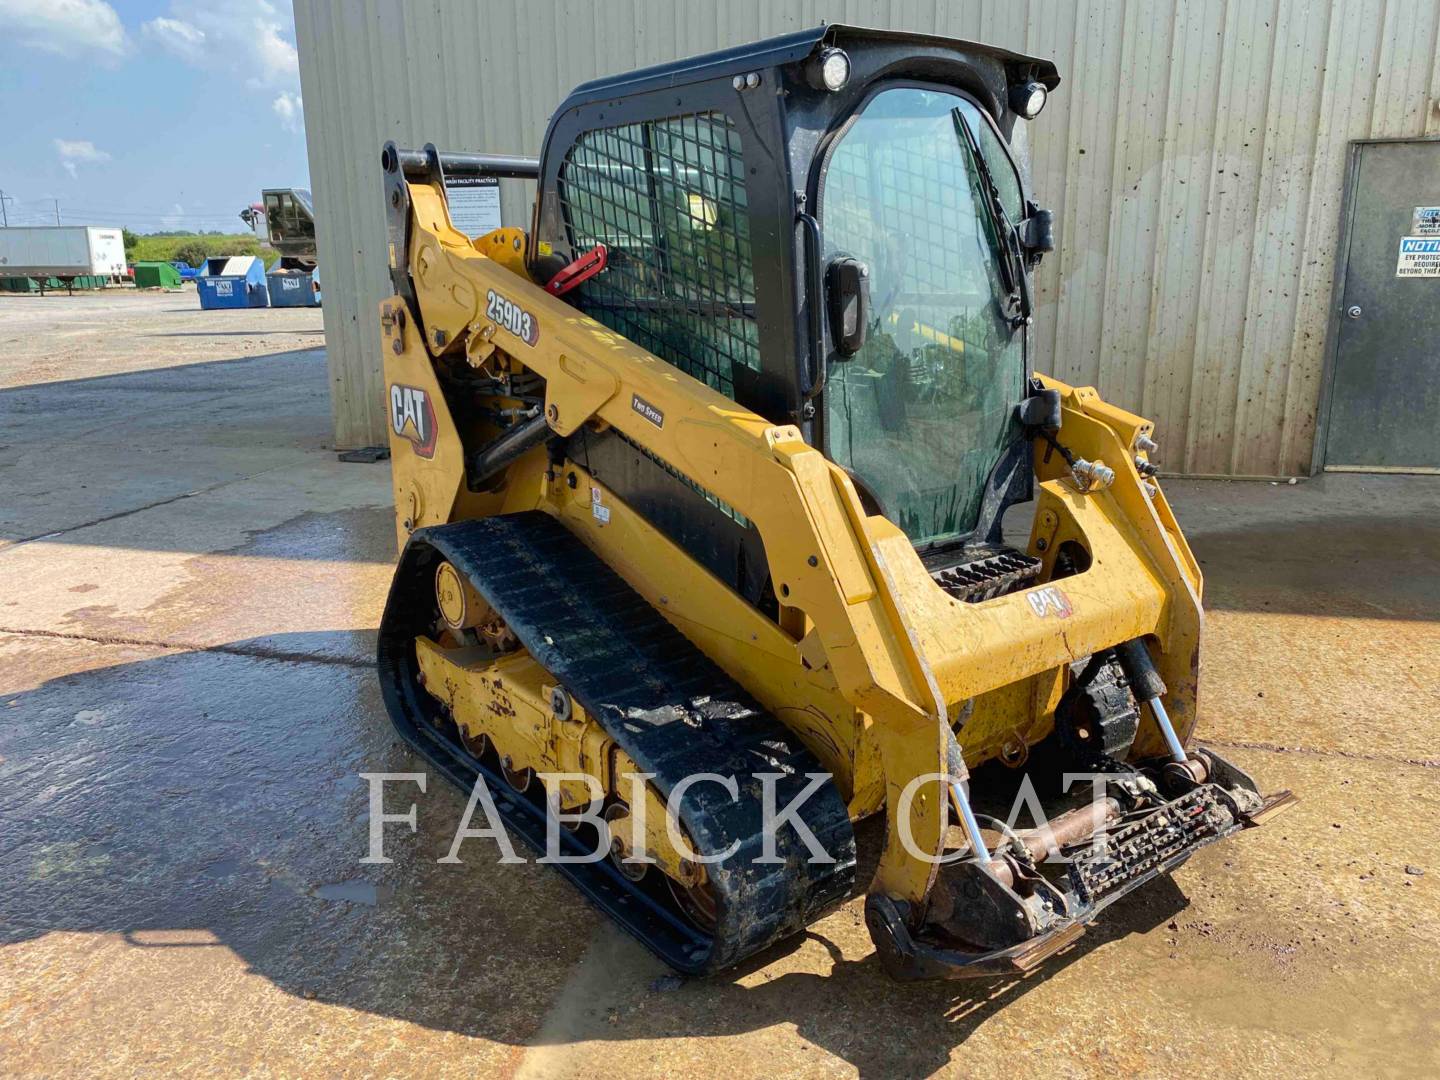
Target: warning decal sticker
<point>598,508</point>
<point>474,203</point>
<point>1426,221</point>
<point>1419,257</point>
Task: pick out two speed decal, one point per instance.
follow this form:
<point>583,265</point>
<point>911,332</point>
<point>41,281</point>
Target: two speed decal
<point>512,317</point>
<point>648,411</point>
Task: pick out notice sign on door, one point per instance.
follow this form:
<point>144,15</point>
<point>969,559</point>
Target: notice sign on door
<point>474,203</point>
<point>1419,257</point>
<point>1426,221</point>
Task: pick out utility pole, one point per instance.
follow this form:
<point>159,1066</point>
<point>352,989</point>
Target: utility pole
<point>57,210</point>
<point>4,217</point>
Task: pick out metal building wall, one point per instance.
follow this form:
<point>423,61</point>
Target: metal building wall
<point>1194,157</point>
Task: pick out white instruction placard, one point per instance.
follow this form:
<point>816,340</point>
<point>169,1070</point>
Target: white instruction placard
<point>598,508</point>
<point>1419,257</point>
<point>1426,221</point>
<point>474,203</point>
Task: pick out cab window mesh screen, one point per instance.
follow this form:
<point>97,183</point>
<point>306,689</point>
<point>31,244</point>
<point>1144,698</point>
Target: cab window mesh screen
<point>667,198</point>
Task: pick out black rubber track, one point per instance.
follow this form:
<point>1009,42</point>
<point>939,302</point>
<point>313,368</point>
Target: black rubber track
<point>666,705</point>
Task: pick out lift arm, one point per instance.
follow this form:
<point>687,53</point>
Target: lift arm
<point>827,559</point>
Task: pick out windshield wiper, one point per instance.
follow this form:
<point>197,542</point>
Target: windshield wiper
<point>1012,261</point>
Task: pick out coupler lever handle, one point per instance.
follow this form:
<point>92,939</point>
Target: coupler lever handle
<point>579,271</point>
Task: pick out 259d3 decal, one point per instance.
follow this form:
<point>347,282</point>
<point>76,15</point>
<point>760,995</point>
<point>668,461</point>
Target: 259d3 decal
<point>512,317</point>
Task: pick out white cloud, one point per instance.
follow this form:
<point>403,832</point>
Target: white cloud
<point>290,109</point>
<point>67,27</point>
<point>76,152</point>
<point>252,39</point>
<point>177,36</point>
<point>278,60</point>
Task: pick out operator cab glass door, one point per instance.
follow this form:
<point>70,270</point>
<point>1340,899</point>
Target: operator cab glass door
<point>923,411</point>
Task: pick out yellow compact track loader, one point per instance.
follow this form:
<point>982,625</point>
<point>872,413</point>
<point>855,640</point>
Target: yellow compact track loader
<point>703,485</point>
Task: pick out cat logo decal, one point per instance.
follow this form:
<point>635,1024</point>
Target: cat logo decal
<point>412,417</point>
<point>1049,601</point>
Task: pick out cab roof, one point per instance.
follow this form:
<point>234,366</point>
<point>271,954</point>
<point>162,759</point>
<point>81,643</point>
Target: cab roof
<point>788,49</point>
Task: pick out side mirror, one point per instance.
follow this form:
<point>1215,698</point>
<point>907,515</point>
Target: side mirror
<point>1041,411</point>
<point>1037,232</point>
<point>847,297</point>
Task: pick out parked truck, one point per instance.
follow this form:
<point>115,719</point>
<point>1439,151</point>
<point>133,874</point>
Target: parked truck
<point>66,252</point>
<point>285,219</point>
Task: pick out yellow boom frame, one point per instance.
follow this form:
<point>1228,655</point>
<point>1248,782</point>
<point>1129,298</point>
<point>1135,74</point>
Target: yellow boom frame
<point>870,662</point>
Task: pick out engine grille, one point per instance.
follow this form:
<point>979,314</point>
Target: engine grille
<point>989,577</point>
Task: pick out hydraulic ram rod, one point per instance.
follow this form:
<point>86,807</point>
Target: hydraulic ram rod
<point>1149,688</point>
<point>416,164</point>
<point>505,448</point>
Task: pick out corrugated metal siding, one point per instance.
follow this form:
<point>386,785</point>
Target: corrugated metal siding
<point>1194,157</point>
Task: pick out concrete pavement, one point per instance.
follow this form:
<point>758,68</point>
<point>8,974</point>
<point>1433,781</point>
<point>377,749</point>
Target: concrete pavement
<point>189,584</point>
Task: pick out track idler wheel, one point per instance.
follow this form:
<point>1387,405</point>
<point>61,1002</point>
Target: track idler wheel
<point>460,605</point>
<point>478,744</point>
<point>570,822</point>
<point>519,779</point>
<point>617,817</point>
<point>697,902</point>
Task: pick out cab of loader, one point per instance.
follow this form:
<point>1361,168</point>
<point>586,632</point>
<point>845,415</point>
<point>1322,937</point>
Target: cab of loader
<point>831,228</point>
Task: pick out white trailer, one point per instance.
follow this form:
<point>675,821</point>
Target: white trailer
<point>63,251</point>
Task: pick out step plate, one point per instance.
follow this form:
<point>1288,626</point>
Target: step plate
<point>1154,844</point>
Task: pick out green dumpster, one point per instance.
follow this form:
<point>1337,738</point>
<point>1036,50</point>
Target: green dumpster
<point>156,275</point>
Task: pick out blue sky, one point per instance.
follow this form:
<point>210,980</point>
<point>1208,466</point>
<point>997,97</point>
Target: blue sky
<point>170,114</point>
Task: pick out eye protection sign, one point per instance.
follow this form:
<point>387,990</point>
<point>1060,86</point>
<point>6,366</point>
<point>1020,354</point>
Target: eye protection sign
<point>1419,257</point>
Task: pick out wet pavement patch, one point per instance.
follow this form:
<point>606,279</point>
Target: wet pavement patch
<point>354,892</point>
<point>223,868</point>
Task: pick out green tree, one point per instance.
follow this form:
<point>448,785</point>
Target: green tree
<point>131,241</point>
<point>193,252</point>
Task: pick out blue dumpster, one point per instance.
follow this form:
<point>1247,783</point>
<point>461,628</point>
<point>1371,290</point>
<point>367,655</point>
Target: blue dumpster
<point>232,281</point>
<point>293,288</point>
